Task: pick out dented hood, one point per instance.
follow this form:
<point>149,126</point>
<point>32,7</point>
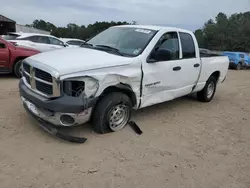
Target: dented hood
<point>71,60</point>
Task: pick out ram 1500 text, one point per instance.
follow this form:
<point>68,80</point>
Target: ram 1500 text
<point>121,68</point>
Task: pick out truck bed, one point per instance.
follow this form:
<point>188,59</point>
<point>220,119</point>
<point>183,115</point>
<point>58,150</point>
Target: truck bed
<point>202,54</point>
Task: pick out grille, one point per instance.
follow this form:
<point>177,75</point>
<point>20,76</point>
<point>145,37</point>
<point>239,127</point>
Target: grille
<point>27,78</point>
<point>26,67</point>
<point>43,75</point>
<point>44,88</point>
<point>40,81</point>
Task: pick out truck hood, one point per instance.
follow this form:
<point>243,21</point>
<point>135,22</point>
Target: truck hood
<point>72,60</point>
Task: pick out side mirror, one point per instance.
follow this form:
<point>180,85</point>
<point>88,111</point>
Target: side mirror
<point>160,55</point>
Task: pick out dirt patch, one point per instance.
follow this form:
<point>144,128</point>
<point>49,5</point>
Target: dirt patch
<point>185,143</point>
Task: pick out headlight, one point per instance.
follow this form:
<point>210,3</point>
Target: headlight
<point>75,87</point>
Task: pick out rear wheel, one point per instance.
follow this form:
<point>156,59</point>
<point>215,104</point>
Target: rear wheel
<point>112,113</point>
<point>207,94</point>
<point>18,69</point>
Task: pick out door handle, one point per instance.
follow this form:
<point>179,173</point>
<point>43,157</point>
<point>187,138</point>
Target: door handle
<point>177,68</point>
<point>196,65</point>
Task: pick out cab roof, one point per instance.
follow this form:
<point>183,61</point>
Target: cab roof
<point>156,28</point>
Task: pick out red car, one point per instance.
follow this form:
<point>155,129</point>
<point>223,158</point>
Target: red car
<point>11,57</point>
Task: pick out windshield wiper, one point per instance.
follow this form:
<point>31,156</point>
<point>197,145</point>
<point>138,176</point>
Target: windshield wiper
<point>86,44</point>
<point>110,48</point>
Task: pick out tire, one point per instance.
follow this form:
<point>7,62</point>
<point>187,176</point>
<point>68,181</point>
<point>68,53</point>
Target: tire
<point>17,69</point>
<point>205,94</point>
<point>238,66</point>
<point>113,108</point>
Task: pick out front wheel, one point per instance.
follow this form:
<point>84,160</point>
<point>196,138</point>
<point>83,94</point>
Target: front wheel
<point>112,113</point>
<point>207,93</point>
<point>18,69</point>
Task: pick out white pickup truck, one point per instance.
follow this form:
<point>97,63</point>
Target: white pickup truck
<point>122,68</point>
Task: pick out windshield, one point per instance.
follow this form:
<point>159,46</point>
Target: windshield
<point>128,41</point>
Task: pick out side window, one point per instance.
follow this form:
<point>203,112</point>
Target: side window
<point>168,44</point>
<point>43,40</point>
<point>2,45</point>
<point>54,41</point>
<point>32,39</point>
<point>187,43</point>
<point>37,39</point>
<point>241,55</point>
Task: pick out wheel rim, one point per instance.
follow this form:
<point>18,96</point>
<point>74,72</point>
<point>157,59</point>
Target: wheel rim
<point>118,117</point>
<point>210,89</point>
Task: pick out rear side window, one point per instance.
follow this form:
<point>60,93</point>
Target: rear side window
<point>32,39</point>
<point>55,41</point>
<point>43,39</point>
<point>241,55</point>
<point>37,39</point>
<point>187,43</point>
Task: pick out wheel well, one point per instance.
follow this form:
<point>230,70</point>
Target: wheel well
<point>123,88</point>
<point>216,74</point>
<point>16,60</point>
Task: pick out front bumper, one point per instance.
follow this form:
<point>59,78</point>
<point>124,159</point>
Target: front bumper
<point>55,131</point>
<point>52,110</point>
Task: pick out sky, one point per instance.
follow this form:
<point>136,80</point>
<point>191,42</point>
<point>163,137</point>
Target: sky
<point>187,14</point>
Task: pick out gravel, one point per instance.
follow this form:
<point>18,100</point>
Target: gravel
<point>185,143</point>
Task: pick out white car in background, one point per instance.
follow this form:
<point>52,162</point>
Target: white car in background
<point>73,42</point>
<point>40,42</point>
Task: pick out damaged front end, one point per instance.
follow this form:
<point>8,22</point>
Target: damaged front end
<point>60,111</point>
<point>56,103</point>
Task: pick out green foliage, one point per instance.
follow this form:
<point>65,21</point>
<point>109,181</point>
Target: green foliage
<point>226,34</point>
<point>200,37</point>
<point>75,31</point>
<point>222,34</point>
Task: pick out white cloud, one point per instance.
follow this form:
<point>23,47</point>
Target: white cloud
<point>186,13</point>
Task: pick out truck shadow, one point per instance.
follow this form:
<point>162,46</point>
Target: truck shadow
<point>86,130</point>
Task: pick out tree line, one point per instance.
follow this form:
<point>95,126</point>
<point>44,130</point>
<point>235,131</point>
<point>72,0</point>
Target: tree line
<point>223,33</point>
<point>226,33</point>
<point>73,30</point>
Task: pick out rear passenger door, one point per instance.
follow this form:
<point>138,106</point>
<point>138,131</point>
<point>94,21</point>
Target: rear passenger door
<point>190,64</point>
